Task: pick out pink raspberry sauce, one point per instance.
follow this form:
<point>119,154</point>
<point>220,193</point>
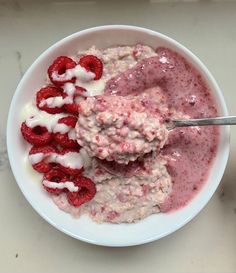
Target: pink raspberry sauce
<point>189,151</point>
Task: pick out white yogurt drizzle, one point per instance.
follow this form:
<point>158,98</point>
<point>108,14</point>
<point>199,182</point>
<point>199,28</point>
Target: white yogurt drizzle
<point>58,101</point>
<point>35,117</point>
<point>78,71</point>
<point>36,158</point>
<point>94,88</point>
<point>61,128</point>
<point>72,134</point>
<point>84,79</point>
<point>69,89</point>
<point>61,185</point>
<point>71,160</point>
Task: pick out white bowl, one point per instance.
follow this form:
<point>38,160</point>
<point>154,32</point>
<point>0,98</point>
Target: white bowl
<point>153,227</point>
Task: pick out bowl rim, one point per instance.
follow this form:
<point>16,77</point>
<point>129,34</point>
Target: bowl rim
<point>10,149</point>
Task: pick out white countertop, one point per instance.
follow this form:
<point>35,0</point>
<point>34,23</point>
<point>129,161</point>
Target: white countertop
<point>27,242</point>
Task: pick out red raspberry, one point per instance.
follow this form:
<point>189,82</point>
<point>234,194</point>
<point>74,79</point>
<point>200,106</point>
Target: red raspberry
<point>45,93</point>
<point>57,70</point>
<point>63,139</point>
<point>69,170</point>
<point>37,136</point>
<point>55,175</point>
<point>93,64</point>
<point>86,192</point>
<point>43,166</point>
<point>69,121</point>
<point>73,108</point>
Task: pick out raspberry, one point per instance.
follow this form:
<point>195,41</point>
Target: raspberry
<point>45,93</point>
<point>73,108</point>
<point>43,166</point>
<point>37,136</point>
<point>93,64</point>
<point>63,139</point>
<point>55,175</point>
<point>57,71</point>
<point>86,192</point>
<point>69,121</point>
<point>69,170</point>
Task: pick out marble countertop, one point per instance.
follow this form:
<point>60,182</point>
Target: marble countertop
<point>28,243</point>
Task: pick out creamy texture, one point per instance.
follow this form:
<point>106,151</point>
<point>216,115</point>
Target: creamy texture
<point>119,59</point>
<point>71,160</point>
<point>35,117</point>
<point>166,87</point>
<point>189,151</point>
<point>127,200</point>
<point>78,71</point>
<point>119,128</point>
<point>36,158</point>
<point>70,186</point>
<point>55,101</point>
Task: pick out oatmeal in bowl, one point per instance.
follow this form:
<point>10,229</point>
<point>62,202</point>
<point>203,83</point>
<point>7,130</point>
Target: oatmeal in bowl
<point>94,133</point>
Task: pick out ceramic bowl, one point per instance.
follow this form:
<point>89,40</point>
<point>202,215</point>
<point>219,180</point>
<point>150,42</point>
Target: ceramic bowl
<point>153,227</point>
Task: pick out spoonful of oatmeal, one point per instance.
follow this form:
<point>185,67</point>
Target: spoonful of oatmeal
<point>122,129</point>
<point>119,128</point>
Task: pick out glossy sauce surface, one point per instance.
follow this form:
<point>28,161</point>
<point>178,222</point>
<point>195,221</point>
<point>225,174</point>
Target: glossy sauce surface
<point>189,151</point>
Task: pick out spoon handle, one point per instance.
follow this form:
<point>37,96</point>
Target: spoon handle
<point>205,121</point>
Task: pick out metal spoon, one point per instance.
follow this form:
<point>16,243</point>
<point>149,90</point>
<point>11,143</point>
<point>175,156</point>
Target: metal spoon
<point>201,122</point>
<point>172,124</point>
